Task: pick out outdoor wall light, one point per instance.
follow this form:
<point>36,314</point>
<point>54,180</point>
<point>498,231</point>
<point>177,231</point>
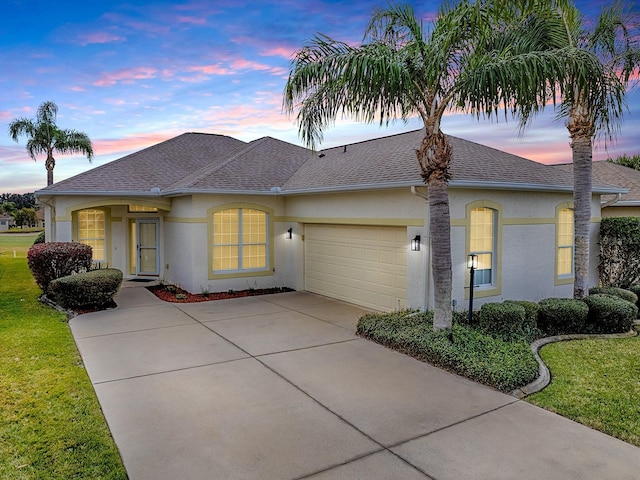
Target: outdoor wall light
<point>415,244</point>
<point>472,264</point>
<point>289,234</point>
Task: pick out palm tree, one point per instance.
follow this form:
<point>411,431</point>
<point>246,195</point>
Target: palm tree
<point>44,137</point>
<point>617,48</point>
<point>403,70</point>
<point>589,70</point>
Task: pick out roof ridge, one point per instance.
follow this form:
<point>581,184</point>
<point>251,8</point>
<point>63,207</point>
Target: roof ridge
<point>196,176</point>
<point>615,169</point>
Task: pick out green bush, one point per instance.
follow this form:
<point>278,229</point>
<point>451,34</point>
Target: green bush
<point>562,315</point>
<point>48,261</point>
<point>39,238</point>
<point>636,289</point>
<point>609,314</point>
<point>469,352</point>
<point>91,289</point>
<point>622,293</point>
<point>619,251</point>
<point>507,321</point>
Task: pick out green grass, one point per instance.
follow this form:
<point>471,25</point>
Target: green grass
<point>597,383</point>
<point>51,425</point>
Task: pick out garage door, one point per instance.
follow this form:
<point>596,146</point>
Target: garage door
<point>358,264</point>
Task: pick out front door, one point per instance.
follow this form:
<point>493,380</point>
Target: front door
<point>148,262</point>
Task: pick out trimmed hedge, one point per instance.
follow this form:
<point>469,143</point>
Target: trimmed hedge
<point>609,314</point>
<point>471,353</point>
<point>508,321</point>
<point>90,289</point>
<point>48,261</point>
<point>562,315</point>
<point>39,238</point>
<point>622,293</point>
<point>636,289</point>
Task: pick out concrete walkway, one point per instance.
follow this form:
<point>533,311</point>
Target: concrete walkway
<point>279,387</point>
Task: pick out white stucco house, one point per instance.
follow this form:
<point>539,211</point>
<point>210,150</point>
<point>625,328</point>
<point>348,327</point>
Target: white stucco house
<point>209,212</point>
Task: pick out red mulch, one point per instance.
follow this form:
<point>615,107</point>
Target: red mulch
<point>169,295</point>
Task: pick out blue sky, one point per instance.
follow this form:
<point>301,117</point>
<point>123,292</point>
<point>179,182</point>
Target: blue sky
<point>131,74</point>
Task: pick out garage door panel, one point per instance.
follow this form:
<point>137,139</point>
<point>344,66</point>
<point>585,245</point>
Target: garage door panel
<point>362,265</point>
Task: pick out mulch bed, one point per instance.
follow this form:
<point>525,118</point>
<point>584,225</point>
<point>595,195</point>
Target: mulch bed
<point>177,295</point>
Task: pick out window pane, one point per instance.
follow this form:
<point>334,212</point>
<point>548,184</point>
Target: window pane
<point>91,231</point>
<point>565,242</point>
<point>239,239</point>
<point>481,243</point>
<point>225,258</point>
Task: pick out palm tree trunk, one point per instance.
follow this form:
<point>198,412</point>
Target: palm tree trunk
<point>434,157</point>
<point>581,130</point>
<point>440,226</point>
<point>49,164</point>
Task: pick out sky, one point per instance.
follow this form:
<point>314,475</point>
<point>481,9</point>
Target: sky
<point>133,73</point>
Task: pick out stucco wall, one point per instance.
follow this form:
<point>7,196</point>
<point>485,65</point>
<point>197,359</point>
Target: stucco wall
<point>526,248</point>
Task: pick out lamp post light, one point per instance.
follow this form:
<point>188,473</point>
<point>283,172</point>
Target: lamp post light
<point>472,264</point>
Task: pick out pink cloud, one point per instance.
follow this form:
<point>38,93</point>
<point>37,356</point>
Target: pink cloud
<point>116,146</point>
<point>285,52</point>
<point>210,69</point>
<point>77,88</point>
<point>191,20</point>
<point>129,75</point>
<point>99,38</point>
<point>4,115</point>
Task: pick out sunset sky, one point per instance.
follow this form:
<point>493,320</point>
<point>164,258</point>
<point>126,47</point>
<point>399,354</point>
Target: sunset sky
<point>133,73</point>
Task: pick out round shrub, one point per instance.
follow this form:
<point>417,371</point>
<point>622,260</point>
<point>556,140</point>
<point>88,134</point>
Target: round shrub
<point>39,238</point>
<point>506,320</point>
<point>562,315</point>
<point>48,261</point>
<point>636,289</point>
<point>90,289</point>
<point>622,293</point>
<point>609,314</point>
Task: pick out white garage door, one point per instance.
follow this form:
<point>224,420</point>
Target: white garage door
<point>358,264</point>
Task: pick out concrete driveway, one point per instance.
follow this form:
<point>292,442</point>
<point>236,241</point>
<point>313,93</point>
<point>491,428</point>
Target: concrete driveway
<point>279,387</point>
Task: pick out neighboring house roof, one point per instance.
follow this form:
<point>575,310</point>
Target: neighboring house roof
<point>608,173</point>
<point>196,162</point>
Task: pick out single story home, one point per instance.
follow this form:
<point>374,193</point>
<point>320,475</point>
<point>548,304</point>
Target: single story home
<point>6,221</point>
<point>213,213</point>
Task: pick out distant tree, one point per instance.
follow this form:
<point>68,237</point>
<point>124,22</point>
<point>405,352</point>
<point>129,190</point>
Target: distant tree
<point>20,200</point>
<point>45,138</point>
<point>627,161</point>
<point>8,208</point>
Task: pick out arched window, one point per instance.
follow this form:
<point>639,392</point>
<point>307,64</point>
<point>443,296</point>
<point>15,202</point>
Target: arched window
<point>564,240</point>
<point>91,231</point>
<point>240,240</point>
<point>482,240</point>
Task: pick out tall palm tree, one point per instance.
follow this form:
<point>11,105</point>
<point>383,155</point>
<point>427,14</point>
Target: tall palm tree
<point>616,46</point>
<point>44,137</point>
<point>588,72</point>
<point>402,70</point>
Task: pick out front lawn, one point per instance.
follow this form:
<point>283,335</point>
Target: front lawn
<point>597,383</point>
<point>51,425</point>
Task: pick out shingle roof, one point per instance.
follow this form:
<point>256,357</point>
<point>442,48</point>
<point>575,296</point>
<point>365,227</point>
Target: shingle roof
<point>157,166</point>
<point>392,160</point>
<point>196,162</point>
<point>608,173</point>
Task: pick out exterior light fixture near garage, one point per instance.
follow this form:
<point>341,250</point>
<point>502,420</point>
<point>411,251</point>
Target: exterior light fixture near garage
<point>289,234</point>
<point>415,244</point>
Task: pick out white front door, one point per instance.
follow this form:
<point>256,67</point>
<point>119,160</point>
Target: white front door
<point>147,235</point>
